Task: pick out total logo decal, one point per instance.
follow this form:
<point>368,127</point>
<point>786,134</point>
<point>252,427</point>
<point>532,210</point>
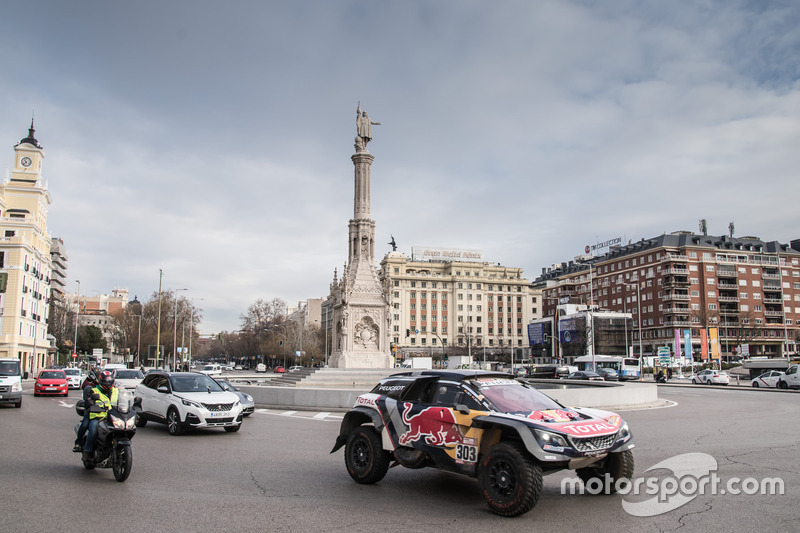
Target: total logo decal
<point>437,425</point>
<point>589,429</point>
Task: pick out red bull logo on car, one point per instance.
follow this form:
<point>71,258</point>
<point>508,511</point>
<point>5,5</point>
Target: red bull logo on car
<point>437,425</point>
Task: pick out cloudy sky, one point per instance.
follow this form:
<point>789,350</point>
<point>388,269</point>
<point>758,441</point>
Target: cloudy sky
<point>212,140</point>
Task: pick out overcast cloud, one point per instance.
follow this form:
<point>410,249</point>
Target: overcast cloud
<point>213,139</point>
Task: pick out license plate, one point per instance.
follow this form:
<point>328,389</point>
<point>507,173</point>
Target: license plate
<point>218,415</point>
<point>51,388</point>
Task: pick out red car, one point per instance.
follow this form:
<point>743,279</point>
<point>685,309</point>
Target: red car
<point>51,382</point>
<point>279,370</point>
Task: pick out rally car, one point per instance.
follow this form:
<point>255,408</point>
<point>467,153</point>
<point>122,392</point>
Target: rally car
<point>486,425</point>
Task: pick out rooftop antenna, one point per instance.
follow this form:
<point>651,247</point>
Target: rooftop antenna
<point>703,227</point>
<point>730,229</point>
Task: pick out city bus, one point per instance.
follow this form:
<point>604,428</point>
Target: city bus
<point>626,367</point>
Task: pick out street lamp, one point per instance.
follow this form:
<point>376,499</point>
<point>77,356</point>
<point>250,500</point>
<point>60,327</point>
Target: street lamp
<point>77,314</point>
<point>139,342</point>
<point>175,332</point>
<point>639,312</point>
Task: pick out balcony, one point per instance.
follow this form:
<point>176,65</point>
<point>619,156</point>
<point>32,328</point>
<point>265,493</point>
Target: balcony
<point>676,322</point>
<point>676,297</point>
<point>728,311</point>
<point>727,285</point>
<point>773,312</point>
<point>675,281</point>
<point>728,299</point>
<point>675,269</point>
<point>726,273</point>
<point>772,287</point>
<point>772,300</point>
<point>676,310</point>
<point>770,275</point>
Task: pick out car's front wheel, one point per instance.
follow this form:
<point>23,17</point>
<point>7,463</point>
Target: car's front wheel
<point>783,385</point>
<point>366,460</point>
<point>607,476</point>
<point>510,481</point>
<point>174,422</point>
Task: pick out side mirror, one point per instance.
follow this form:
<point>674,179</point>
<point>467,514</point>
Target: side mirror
<point>225,387</point>
<point>163,389</point>
<point>461,408</point>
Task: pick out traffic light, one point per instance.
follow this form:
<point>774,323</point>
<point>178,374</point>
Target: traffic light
<point>408,333</point>
<point>280,344</point>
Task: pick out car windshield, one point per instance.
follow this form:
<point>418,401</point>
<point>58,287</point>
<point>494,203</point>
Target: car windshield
<point>509,396</point>
<point>194,383</point>
<point>209,367</point>
<point>52,374</point>
<point>129,374</point>
<point>72,372</point>
<point>9,368</point>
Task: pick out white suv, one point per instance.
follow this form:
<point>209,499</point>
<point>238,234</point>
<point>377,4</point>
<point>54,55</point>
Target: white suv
<point>184,400</point>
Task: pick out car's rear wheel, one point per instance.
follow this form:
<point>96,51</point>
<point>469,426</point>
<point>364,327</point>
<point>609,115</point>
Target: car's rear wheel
<point>174,422</point>
<point>510,481</point>
<point>364,456</point>
<point>606,476</point>
<point>783,385</point>
<point>755,384</point>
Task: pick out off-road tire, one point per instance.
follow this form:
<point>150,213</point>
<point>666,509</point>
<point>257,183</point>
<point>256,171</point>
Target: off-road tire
<point>617,465</point>
<point>510,480</point>
<point>411,457</point>
<point>364,456</point>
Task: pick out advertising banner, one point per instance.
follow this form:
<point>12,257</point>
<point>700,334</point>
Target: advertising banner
<point>677,344</point>
<point>537,333</point>
<point>567,330</point>
<point>703,344</point>
<point>687,345</point>
<point>714,343</point>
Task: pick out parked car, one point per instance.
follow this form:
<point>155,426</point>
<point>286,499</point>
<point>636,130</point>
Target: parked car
<point>248,404</point>
<point>184,400</point>
<point>238,367</point>
<point>585,374</point>
<point>711,377</point>
<point>212,370</point>
<point>279,370</point>
<point>608,374</point>
<point>549,371</point>
<point>75,377</point>
<point>127,378</point>
<point>768,379</point>
<point>261,367</point>
<point>485,425</point>
<point>51,382</point>
<point>295,368</point>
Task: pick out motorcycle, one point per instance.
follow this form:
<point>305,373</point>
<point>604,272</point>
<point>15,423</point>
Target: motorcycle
<point>112,448</point>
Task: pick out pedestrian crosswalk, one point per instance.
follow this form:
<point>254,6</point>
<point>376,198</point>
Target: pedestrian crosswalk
<point>310,415</point>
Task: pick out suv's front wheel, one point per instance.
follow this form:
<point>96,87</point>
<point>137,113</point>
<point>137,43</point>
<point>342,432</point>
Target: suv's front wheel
<point>510,480</point>
<point>364,456</point>
<point>607,475</point>
<point>174,422</point>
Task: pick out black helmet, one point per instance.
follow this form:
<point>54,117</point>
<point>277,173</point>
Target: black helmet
<point>92,376</point>
<point>106,379</point>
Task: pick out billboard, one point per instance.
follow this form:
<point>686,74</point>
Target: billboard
<point>538,332</point>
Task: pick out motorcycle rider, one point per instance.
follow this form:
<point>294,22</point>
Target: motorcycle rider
<point>89,384</point>
<point>107,395</point>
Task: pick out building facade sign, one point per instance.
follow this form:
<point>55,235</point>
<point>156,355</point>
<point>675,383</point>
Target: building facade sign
<point>592,248</point>
<point>426,253</point>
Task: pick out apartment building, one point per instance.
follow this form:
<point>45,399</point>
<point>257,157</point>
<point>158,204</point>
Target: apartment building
<point>746,288</point>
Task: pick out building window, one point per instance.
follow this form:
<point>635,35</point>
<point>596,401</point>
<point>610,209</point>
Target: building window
<point>413,283</point>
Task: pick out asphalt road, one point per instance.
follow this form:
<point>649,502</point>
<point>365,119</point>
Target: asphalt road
<point>276,474</point>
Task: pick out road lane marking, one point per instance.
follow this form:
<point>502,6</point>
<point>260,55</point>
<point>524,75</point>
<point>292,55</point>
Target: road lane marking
<point>288,413</point>
<point>321,415</point>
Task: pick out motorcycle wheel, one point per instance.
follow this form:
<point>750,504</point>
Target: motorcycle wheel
<point>123,460</point>
<point>88,465</point>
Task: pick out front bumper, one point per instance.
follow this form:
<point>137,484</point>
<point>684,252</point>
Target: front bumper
<point>54,390</point>
<point>10,396</point>
<point>202,418</point>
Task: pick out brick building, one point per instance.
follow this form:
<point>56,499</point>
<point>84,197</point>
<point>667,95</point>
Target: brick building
<point>746,288</point>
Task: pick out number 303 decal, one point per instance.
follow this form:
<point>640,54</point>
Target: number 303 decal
<point>468,454</point>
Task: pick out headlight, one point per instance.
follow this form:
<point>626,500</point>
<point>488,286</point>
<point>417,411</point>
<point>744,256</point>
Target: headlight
<point>190,402</point>
<point>118,422</point>
<point>16,387</point>
<point>553,439</point>
<point>130,423</point>
<point>249,398</point>
<point>624,433</point>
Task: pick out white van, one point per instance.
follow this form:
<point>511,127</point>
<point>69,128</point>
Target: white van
<point>10,381</point>
<point>212,370</point>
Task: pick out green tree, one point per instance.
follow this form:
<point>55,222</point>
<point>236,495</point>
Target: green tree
<point>89,338</point>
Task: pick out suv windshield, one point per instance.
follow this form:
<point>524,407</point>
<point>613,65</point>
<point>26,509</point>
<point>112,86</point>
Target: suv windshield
<point>72,372</point>
<point>193,383</point>
<point>509,396</point>
<point>129,374</point>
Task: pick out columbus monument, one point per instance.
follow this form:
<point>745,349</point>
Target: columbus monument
<point>360,318</point>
